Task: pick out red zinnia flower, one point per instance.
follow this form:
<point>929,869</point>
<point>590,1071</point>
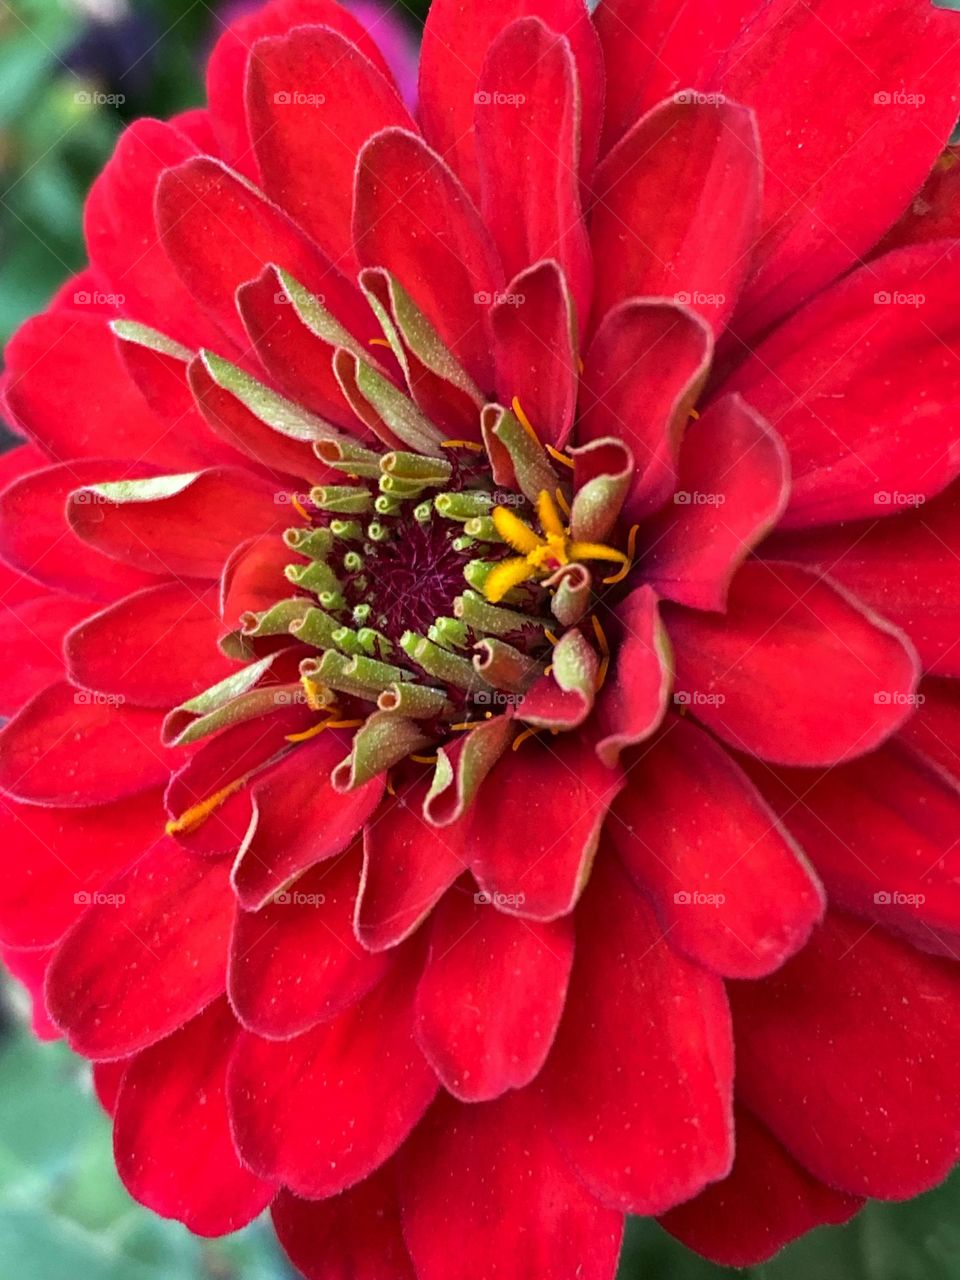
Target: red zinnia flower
<point>432,761</point>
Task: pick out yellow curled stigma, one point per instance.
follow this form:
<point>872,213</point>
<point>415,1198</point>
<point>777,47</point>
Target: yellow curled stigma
<point>197,814</point>
<point>540,554</point>
<point>531,432</point>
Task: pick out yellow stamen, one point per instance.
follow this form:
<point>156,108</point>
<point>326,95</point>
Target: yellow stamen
<point>300,508</point>
<point>197,814</point>
<point>557,456</point>
<point>631,552</point>
<point>602,641</point>
<point>391,789</point>
<point>461,444</point>
<point>695,415</point>
<point>550,636</point>
<point>380,342</point>
<point>424,759</point>
<point>319,696</point>
<point>466,727</point>
<point>319,728</point>
<point>562,503</point>
<point>515,532</point>
<point>522,738</point>
<point>540,553</point>
<point>548,515</point>
<point>580,364</point>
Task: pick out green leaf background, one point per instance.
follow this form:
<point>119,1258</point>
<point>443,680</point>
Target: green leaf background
<point>63,1211</point>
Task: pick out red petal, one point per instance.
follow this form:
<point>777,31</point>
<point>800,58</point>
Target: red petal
<point>353,1236</point>
<point>122,238</point>
<point>935,728</point>
<point>314,95</point>
<point>70,747</point>
<point>177,1088</point>
<point>528,123</point>
<point>639,1081</point>
<point>456,40</point>
<point>536,824</point>
<point>35,537</point>
<point>146,958</point>
<point>767,1201</point>
<point>298,819</point>
<point>486,1185</point>
<point>888,1124</point>
<point>882,834</point>
<point>729,886</point>
<point>904,568</point>
<point>323,1111</point>
<point>677,208</point>
<point>250,233</point>
<point>253,578</point>
<point>795,672</point>
<point>848,136</point>
<point>733,484</point>
<point>412,217</point>
<point>839,383</point>
<point>242,749</point>
<point>934,213</point>
<point>296,962</point>
<point>535,331</point>
<point>155,648</point>
<point>188,531</point>
<point>634,697</point>
<point>491,995</point>
<point>228,63</point>
<point>60,361</point>
<point>641,376</point>
<point>300,362</point>
<point>407,866</point>
<point>57,859</point>
<point>653,47</point>
<point>31,640</point>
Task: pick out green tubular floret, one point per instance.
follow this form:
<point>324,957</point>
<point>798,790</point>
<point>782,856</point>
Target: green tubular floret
<point>469,504</point>
<point>342,499</point>
<point>416,467</point>
<point>316,543</point>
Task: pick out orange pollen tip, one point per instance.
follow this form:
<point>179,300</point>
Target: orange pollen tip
<point>467,727</point>
<point>391,789</point>
<point>599,632</point>
<point>380,342</point>
<point>299,508</point>
<point>462,444</point>
<point>694,415</point>
<point>424,759</point>
<point>557,456</point>
<point>562,503</point>
<point>197,814</point>
<point>521,738</point>
<point>524,420</point>
<point>550,636</point>
<point>631,552</point>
